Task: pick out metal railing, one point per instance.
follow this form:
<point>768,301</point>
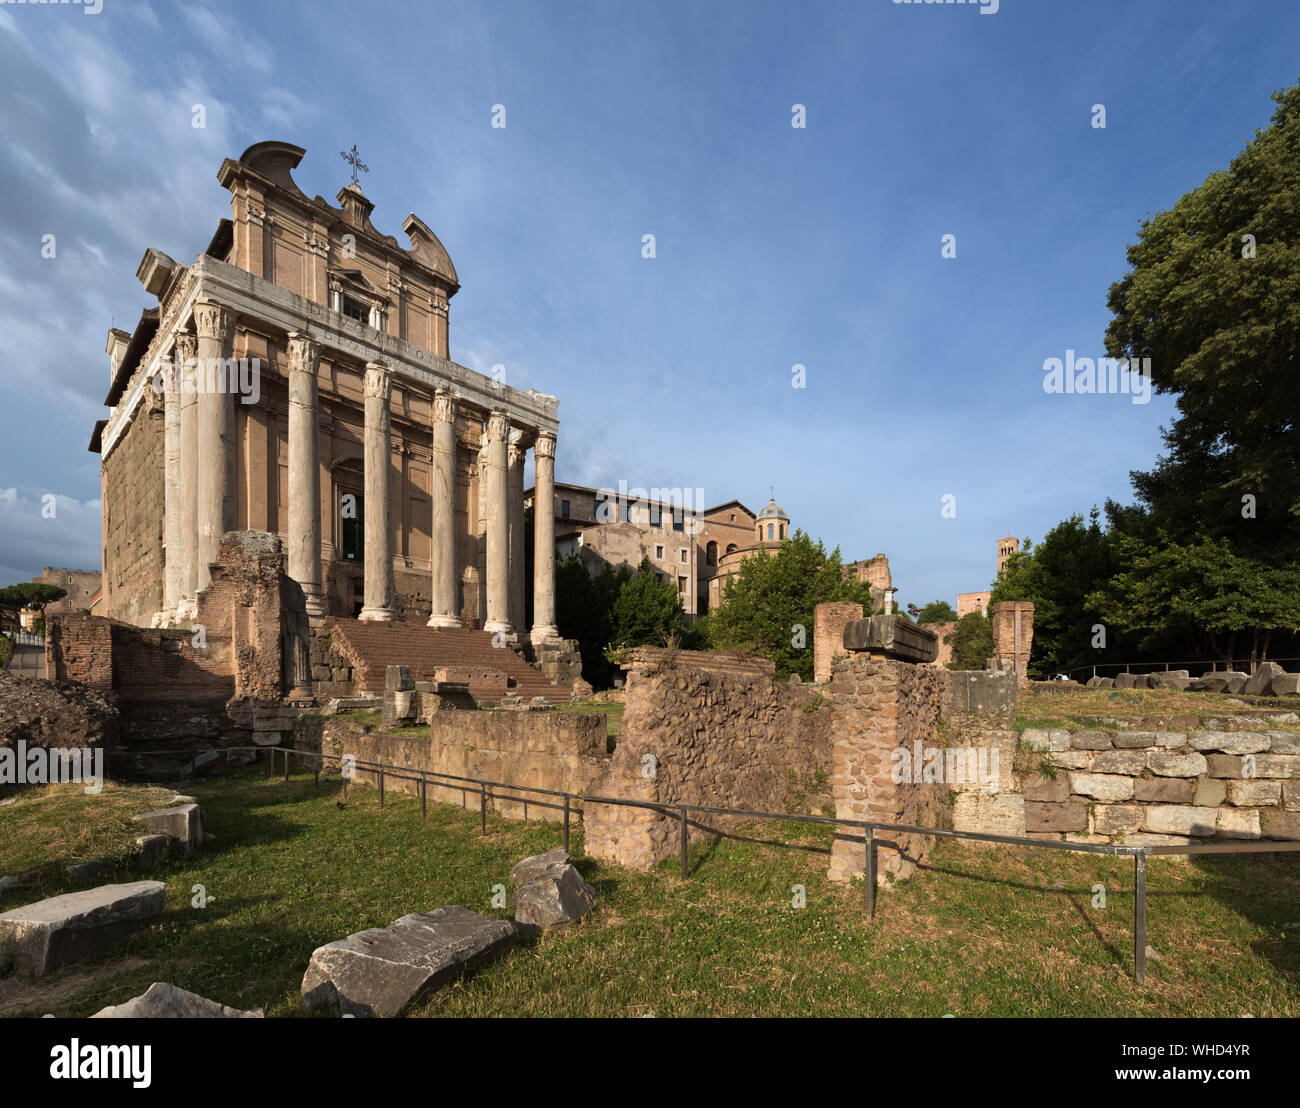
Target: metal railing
<point>682,812</point>
<point>1197,667</point>
<point>24,638</point>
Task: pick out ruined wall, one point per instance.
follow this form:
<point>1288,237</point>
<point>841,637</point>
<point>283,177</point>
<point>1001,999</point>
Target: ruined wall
<point>133,515</point>
<point>829,621</point>
<point>880,706</point>
<point>712,737</point>
<point>545,748</point>
<point>1013,633</point>
<point>943,630</point>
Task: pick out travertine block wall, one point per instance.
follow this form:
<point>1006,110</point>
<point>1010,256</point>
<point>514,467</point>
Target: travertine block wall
<point>699,736</point>
<point>547,749</point>
<point>829,621</point>
<point>133,519</point>
<point>879,706</point>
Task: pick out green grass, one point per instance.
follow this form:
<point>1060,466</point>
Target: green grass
<point>1079,709</point>
<point>979,931</point>
<point>613,713</point>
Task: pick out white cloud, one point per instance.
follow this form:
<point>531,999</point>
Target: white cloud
<point>227,39</point>
<point>30,540</point>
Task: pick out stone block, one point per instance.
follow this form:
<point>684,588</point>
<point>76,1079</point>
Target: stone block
<point>67,928</point>
<point>1117,819</point>
<point>1038,739</point>
<point>1167,764</point>
<point>1138,740</point>
<point>1072,815</point>
<point>1283,742</point>
<point>989,815</point>
<point>1210,792</point>
<point>538,864</point>
<point>1130,762</point>
<point>1224,765</point>
<point>380,971</point>
<point>1105,683</point>
<point>1090,740</point>
<point>1047,790</point>
<point>184,823</point>
<point>163,1001</point>
<point>1262,679</point>
<point>556,897</point>
<point>1229,742</point>
<point>1178,819</point>
<point>1275,825</point>
<point>1251,793</point>
<point>1169,681</point>
<point>93,869</point>
<point>1163,790</point>
<point>1277,765</point>
<point>1291,796</point>
<point>1124,681</point>
<point>398,679</point>
<point>1238,823</point>
<point>152,849</point>
<point>1236,685</point>
<point>1285,684</point>
<point>1105,787</point>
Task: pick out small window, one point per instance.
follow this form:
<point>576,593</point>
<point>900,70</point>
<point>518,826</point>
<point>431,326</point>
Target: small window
<point>681,585</point>
<point>564,508</point>
<point>683,556</point>
<point>771,531</point>
<point>782,534</point>
<point>711,554</point>
<point>731,548</point>
<point>678,520</point>
<point>354,309</point>
<point>659,552</point>
<point>353,511</point>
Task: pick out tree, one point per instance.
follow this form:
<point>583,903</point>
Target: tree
<point>971,641</point>
<point>28,594</point>
<point>584,611</point>
<point>1213,300</point>
<point>767,605</point>
<point>647,610</point>
<point>937,611</point>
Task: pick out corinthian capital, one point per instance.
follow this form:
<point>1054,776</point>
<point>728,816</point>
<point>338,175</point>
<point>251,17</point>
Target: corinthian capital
<point>187,347</point>
<point>214,321</point>
<point>498,426</point>
<point>304,353</point>
<point>379,380</point>
<point>444,406</point>
<point>545,445</point>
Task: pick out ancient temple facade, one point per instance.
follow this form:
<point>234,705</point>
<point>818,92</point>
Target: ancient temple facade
<point>296,379</point>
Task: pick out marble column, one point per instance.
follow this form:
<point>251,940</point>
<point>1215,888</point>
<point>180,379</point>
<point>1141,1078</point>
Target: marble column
<point>187,478</point>
<point>304,558</point>
<point>544,539</point>
<point>443,519</point>
<point>515,455</point>
<point>215,435</point>
<point>498,523</point>
<point>173,543</point>
<point>378,537</point>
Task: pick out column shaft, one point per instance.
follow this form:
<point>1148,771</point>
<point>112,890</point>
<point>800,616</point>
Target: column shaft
<point>544,539</point>
<point>188,481</point>
<point>378,539</point>
<point>174,542</point>
<point>304,557</point>
<point>515,456</point>
<point>498,539</point>
<point>215,434</point>
<point>443,518</point>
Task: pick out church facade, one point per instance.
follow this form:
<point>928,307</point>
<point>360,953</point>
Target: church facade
<point>296,379</point>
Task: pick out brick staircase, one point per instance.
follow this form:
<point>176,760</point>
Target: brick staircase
<point>424,649</point>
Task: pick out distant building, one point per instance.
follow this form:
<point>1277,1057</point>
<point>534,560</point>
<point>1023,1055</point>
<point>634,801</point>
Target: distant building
<point>81,585</point>
<point>968,602</point>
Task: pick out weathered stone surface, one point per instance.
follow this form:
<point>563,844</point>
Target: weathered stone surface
<point>1145,838</point>
<point>1124,681</point>
<point>1165,764</point>
<point>1236,684</point>
<point>1090,740</point>
<point>1210,792</point>
<point>1139,740</point>
<point>1163,790</point>
<point>1262,678</point>
<point>1117,819</point>
<point>538,864</point>
<point>1178,819</point>
<point>1285,684</point>
<point>1038,739</point>
<point>1283,742</point>
<point>554,898</point>
<point>163,1001</point>
<point>1277,765</point>
<point>1047,790</point>
<point>989,815</point>
<point>1224,765</point>
<point>1071,759</point>
<point>582,689</point>
<point>1119,761</point>
<point>1251,792</point>
<point>8,883</point>
<point>67,928</point>
<point>1229,742</point>
<point>184,823</point>
<point>1105,683</point>
<point>379,971</point>
<point>152,849</point>
<point>1238,823</point>
<point>1169,681</point>
<point>1108,787</point>
<point>1071,815</point>
<point>1291,796</point>
<point>1276,825</point>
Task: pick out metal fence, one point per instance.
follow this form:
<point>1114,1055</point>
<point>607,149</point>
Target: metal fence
<point>564,802</point>
<point>1198,667</point>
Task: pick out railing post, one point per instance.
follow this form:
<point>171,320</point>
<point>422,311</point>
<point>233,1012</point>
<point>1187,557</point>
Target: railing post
<point>272,753</point>
<point>566,822</point>
<point>870,872</point>
<point>381,785</point>
<point>424,797</point>
<point>1140,915</point>
<point>482,809</point>
<point>684,830</point>
<point>286,767</point>
<point>316,772</point>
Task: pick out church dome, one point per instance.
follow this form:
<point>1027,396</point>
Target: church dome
<point>772,525</point>
<point>773,511</point>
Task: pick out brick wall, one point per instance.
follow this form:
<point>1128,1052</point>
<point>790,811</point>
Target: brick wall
<point>699,736</point>
<point>79,648</point>
<point>829,621</point>
<point>1012,618</point>
<point>133,516</point>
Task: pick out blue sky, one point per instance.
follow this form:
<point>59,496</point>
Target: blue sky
<point>774,246</point>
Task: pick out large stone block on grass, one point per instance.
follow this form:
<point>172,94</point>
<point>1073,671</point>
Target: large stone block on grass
<point>164,1001</point>
<point>538,864</point>
<point>1179,819</point>
<point>1177,681</point>
<point>1124,681</point>
<point>1285,684</point>
<point>380,971</point>
<point>184,823</point>
<point>67,928</point>
<point>555,898</point>
<point>1262,678</point>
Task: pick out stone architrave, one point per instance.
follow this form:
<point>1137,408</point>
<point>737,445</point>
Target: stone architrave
<point>215,325</point>
<point>174,542</point>
<point>187,478</point>
<point>498,539</point>
<point>443,497</point>
<point>515,456</point>
<point>544,539</point>
<point>378,606</point>
<point>304,550</point>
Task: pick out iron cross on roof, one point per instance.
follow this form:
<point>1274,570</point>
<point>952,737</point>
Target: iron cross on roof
<point>354,160</point>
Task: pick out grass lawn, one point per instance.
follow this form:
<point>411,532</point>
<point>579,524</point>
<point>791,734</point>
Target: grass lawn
<point>1072,708</point>
<point>979,931</point>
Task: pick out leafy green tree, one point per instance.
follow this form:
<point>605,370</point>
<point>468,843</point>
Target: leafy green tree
<point>971,641</point>
<point>584,606</point>
<point>647,610</point>
<point>767,605</point>
<point>28,594</point>
<point>937,611</point>
<point>1213,300</point>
